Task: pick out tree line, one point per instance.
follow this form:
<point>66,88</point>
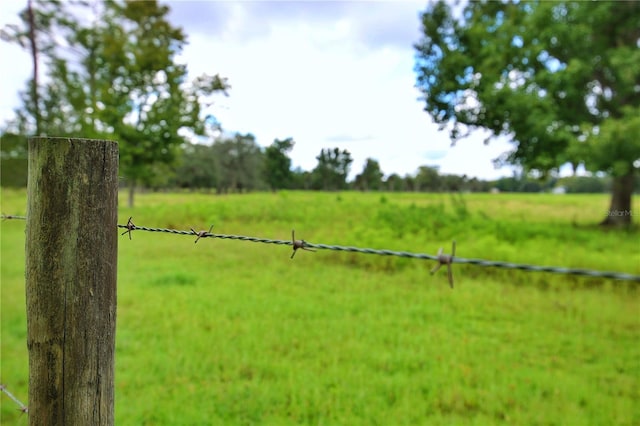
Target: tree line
<point>237,164</point>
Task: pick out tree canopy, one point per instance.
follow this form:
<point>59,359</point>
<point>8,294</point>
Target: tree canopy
<point>121,81</point>
<point>238,163</point>
<point>277,166</point>
<point>370,177</point>
<point>560,79</point>
<point>332,169</point>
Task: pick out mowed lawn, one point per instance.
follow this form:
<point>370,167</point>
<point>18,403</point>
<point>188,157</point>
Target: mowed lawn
<point>234,333</point>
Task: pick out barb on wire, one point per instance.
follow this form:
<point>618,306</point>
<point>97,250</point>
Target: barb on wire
<point>445,259</point>
<point>440,258</point>
<point>23,407</point>
<point>298,244</point>
<point>130,227</point>
<point>202,234</point>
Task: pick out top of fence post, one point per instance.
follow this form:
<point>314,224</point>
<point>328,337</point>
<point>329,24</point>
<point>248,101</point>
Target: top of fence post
<point>71,260</point>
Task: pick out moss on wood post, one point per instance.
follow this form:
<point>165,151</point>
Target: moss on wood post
<point>71,259</point>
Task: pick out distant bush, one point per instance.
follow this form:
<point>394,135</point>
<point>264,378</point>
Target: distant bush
<point>586,184</point>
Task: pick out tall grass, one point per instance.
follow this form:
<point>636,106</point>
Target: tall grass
<point>227,332</point>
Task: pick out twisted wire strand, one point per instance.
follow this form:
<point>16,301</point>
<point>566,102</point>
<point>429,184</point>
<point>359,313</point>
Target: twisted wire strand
<point>405,254</point>
<point>304,244</point>
<point>6,391</point>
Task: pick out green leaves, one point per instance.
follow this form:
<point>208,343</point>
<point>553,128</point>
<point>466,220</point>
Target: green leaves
<point>536,71</point>
<point>371,176</point>
<point>122,83</point>
<point>616,145</point>
<point>277,168</point>
<point>332,169</point>
<point>238,163</point>
<point>560,79</point>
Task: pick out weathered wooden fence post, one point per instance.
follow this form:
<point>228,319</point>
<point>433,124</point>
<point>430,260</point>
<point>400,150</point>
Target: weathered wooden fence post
<point>71,260</point>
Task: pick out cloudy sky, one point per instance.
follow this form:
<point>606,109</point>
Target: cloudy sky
<point>328,74</point>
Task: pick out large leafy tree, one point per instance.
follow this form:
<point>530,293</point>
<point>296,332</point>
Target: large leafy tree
<point>277,167</point>
<point>332,169</point>
<point>371,176</point>
<point>118,77</point>
<point>238,163</point>
<point>428,179</point>
<point>196,168</point>
<point>560,79</point>
<point>144,98</point>
<point>41,20</point>
<point>394,182</point>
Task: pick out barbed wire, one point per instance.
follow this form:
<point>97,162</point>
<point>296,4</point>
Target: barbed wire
<point>21,406</point>
<point>442,259</point>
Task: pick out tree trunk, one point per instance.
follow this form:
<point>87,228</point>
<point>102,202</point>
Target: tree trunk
<point>619,213</point>
<point>34,57</point>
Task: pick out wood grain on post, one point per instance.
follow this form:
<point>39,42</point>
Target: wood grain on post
<point>71,260</point>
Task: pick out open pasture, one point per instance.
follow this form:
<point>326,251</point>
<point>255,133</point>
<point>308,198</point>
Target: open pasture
<point>230,332</point>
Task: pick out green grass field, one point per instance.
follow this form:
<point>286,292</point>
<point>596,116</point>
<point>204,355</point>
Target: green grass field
<point>235,333</point>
